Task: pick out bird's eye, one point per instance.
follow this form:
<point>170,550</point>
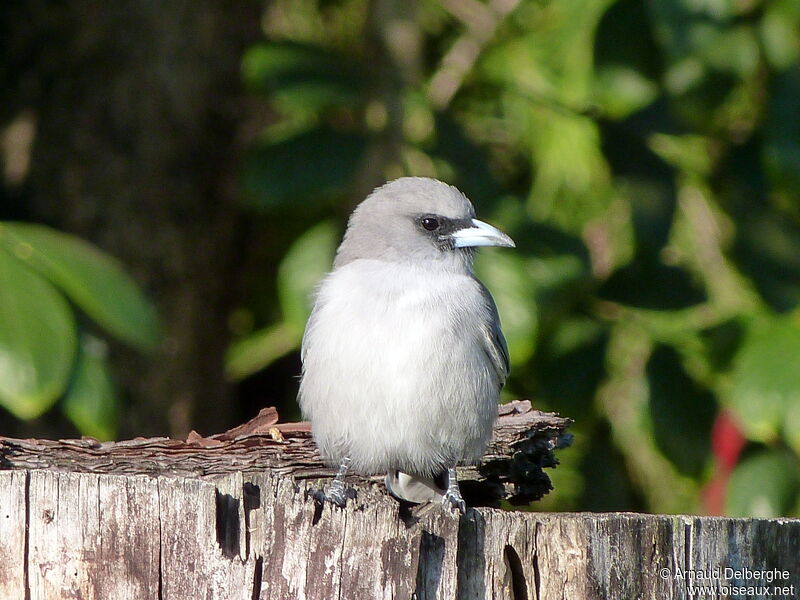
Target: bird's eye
<point>430,223</point>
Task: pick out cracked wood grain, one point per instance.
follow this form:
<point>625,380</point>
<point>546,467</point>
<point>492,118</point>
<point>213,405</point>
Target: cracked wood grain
<point>87,521</point>
<point>259,536</point>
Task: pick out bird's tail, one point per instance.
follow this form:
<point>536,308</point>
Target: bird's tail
<point>414,488</point>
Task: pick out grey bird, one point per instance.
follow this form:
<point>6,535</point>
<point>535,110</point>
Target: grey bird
<point>403,356</point>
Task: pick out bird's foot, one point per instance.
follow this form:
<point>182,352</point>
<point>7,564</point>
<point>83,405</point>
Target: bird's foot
<point>339,498</point>
<point>454,502</point>
<point>452,497</point>
<point>337,493</point>
<point>320,497</point>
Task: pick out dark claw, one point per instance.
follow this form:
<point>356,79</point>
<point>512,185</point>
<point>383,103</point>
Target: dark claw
<point>317,495</point>
<point>335,495</point>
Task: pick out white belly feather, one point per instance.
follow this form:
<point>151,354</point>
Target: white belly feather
<point>396,376</point>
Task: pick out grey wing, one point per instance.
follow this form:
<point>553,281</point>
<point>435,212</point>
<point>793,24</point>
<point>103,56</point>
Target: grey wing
<point>493,339</point>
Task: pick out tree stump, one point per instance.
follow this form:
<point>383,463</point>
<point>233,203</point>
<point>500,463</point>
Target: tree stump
<point>228,516</point>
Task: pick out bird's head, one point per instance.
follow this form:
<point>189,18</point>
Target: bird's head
<point>417,219</point>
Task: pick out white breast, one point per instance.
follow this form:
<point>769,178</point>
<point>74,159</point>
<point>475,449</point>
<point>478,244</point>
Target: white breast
<point>394,373</point>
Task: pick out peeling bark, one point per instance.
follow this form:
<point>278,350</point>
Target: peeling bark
<point>523,444</point>
<point>168,519</point>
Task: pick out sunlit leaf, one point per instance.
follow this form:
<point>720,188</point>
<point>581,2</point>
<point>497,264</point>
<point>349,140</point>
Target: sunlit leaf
<point>766,378</point>
<point>572,180</point>
<point>37,340</point>
<point>791,426</point>
<point>302,268</point>
<point>546,78</point>
<point>621,91</point>
<point>689,153</point>
<point>93,280</point>
<point>259,349</point>
<point>780,32</point>
<point>733,50</point>
<point>763,485</point>
<point>305,168</point>
<point>91,402</point>
<point>552,57</point>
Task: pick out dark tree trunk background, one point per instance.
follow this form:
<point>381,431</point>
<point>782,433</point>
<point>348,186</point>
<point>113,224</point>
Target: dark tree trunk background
<point>138,109</point>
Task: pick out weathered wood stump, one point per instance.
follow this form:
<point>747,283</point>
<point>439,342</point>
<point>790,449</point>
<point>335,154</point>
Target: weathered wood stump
<point>228,517</point>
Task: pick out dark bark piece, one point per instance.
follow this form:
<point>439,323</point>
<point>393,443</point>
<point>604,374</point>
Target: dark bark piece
<point>521,436</point>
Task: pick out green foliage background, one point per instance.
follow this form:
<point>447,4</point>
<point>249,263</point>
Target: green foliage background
<point>645,156</point>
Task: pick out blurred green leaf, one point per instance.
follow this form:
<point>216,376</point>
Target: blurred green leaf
<point>604,466</point>
<point>721,342</point>
<point>780,32</point>
<point>302,76</point>
<point>712,63</point>
<point>572,184</point>
<point>763,485</point>
<point>312,165</point>
<point>684,27</point>
<point>583,128</point>
<point>621,91</point>
<point>506,276</point>
<point>791,426</point>
<point>733,50</point>
<point>552,54</point>
<point>93,280</point>
<point>37,339</point>
<point>259,349</point>
<point>648,283</point>
<point>622,41</point>
<point>781,153</point>
<point>470,161</point>
<point>766,377</point>
<point>545,80</point>
<point>570,366</point>
<point>682,412</point>
<point>302,268</point>
<point>688,153</point>
<point>767,250</point>
<point>91,402</point>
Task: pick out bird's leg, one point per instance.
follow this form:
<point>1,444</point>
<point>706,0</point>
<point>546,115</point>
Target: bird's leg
<point>452,497</point>
<point>337,493</point>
